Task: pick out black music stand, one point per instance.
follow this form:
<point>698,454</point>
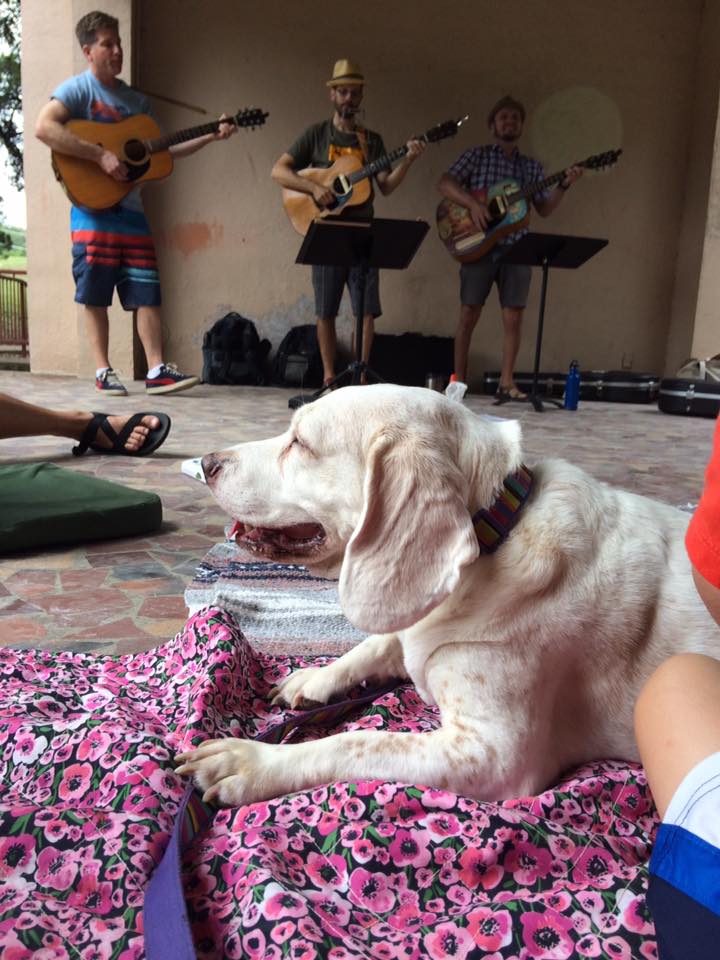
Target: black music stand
<point>550,250</point>
<point>388,244</point>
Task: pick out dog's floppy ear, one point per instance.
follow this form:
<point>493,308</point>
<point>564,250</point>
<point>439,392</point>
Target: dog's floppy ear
<point>414,536</point>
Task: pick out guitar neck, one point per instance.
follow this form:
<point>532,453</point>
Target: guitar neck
<point>181,136</point>
<point>526,192</point>
<point>382,163</point>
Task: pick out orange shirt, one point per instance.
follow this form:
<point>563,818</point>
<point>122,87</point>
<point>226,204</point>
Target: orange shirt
<point>703,536</point>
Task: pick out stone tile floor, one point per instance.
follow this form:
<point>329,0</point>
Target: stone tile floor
<point>122,596</point>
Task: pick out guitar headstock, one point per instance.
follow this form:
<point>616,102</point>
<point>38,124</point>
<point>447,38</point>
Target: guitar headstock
<point>250,117</point>
<point>443,130</point>
<point>600,161</point>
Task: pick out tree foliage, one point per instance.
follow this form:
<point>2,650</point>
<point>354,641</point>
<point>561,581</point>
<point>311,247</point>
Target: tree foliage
<point>10,88</point>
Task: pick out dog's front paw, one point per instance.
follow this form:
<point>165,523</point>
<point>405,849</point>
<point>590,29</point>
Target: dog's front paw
<point>232,772</point>
<point>307,687</point>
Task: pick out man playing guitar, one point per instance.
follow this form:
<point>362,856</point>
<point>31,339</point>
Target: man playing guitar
<point>113,248</point>
<point>319,146</point>
<point>478,169</point>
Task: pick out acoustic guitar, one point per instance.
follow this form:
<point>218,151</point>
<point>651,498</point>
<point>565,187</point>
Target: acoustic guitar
<point>137,141</point>
<point>509,211</point>
<point>349,180</point>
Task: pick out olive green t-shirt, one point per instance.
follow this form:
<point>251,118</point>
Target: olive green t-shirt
<point>321,145</point>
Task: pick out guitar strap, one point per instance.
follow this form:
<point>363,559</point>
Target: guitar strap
<point>363,141</point>
<point>167,926</point>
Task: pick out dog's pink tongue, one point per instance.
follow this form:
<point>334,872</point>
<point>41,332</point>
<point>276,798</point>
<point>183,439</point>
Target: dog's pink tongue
<point>235,529</point>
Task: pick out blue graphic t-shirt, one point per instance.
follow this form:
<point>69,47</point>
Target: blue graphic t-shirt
<point>88,99</point>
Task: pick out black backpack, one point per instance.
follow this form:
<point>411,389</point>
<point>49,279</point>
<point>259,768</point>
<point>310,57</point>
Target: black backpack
<point>297,362</point>
<point>233,353</point>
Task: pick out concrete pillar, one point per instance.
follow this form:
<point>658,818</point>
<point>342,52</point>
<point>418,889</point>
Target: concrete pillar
<point>706,333</point>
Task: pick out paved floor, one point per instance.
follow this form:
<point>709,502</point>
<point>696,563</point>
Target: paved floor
<point>127,595</point>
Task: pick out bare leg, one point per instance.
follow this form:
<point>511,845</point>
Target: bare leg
<point>469,315</point>
<point>677,721</point>
<point>20,419</point>
<point>149,327</point>
<point>97,329</point>
<point>512,331</point>
<point>327,341</point>
<point>367,341</point>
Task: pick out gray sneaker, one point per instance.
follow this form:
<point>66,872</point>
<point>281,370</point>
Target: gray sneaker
<point>109,383</point>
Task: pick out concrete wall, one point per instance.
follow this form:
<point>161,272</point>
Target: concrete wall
<point>641,74</point>
<point>688,336</point>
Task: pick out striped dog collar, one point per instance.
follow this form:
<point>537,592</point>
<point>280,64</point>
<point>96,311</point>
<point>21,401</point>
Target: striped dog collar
<point>493,526</point>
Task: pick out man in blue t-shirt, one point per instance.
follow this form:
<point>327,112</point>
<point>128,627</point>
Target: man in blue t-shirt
<point>113,248</point>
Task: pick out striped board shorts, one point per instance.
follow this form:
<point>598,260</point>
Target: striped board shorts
<point>684,891</point>
<point>114,249</point>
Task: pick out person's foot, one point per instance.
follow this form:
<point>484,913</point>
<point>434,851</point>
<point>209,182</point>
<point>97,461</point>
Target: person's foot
<point>109,384</point>
<point>504,393</point>
<point>134,442</point>
<point>169,380</point>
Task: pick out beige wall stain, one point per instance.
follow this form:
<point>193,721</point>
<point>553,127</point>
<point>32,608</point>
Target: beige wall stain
<point>191,237</point>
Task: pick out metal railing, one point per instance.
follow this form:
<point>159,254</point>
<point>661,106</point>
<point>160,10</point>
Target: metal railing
<point>13,309</point>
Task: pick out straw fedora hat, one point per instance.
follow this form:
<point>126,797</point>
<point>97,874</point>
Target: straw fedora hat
<point>346,73</point>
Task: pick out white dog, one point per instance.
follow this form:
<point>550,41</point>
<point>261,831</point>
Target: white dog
<point>534,653</point>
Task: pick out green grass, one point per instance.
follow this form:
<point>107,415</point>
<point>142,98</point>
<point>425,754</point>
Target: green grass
<point>13,262</point>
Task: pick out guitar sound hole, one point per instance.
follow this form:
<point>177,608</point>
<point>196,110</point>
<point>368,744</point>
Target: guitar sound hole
<point>135,151</point>
<point>340,187</point>
<point>495,209</point>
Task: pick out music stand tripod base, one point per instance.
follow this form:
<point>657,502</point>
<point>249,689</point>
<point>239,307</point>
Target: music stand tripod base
<point>547,250</point>
<point>382,243</point>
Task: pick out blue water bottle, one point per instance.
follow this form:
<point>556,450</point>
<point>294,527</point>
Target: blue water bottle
<point>572,387</point>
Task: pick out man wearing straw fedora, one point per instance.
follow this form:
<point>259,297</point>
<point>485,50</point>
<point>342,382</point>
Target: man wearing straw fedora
<point>319,146</point>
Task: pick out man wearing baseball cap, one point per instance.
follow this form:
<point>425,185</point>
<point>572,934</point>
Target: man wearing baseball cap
<point>476,170</point>
<point>320,145</point>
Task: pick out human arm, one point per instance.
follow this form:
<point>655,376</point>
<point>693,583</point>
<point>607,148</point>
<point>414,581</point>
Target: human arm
<point>283,172</point>
<point>452,189</point>
<point>223,132</point>
<point>677,720</point>
<point>677,716</point>
<point>389,180</point>
<point>51,128</point>
<point>552,201</point>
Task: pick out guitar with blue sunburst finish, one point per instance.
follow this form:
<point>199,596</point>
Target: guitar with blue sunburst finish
<point>508,207</point>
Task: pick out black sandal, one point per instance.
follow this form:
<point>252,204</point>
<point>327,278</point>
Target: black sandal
<point>506,394</point>
<point>154,439</point>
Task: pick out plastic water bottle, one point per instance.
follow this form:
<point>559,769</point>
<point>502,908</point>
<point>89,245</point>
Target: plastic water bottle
<point>572,387</point>
<point>456,389</point>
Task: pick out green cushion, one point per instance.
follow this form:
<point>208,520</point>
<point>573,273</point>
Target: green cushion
<point>41,504</point>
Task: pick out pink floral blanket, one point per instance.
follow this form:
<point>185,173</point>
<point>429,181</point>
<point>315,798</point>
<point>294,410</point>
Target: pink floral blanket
<point>349,870</point>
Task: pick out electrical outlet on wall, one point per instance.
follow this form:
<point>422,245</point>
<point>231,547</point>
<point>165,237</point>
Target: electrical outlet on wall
<point>626,362</point>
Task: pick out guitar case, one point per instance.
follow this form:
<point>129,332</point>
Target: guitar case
<point>619,386</point>
<point>690,398</point>
<point>549,384</point>
<point>612,386</point>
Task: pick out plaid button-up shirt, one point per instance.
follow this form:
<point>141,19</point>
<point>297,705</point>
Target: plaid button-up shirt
<point>481,167</point>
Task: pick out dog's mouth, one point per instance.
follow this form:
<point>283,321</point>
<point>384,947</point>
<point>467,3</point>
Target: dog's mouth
<point>294,540</point>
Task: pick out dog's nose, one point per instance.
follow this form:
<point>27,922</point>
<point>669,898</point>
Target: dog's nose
<point>212,464</point>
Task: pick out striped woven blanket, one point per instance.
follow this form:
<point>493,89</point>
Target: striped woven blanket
<point>283,608</point>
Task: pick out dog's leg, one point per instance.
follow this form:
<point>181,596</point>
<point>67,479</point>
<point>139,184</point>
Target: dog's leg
<point>486,747</point>
<point>233,772</point>
<point>379,657</point>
